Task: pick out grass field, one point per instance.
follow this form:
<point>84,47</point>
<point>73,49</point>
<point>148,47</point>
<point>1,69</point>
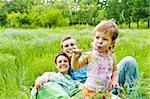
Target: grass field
<point>26,54</point>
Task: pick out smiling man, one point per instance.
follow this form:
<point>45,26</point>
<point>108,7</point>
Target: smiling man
<point>68,44</point>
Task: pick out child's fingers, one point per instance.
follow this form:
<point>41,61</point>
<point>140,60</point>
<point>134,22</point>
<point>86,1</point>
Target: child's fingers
<point>77,51</point>
<point>115,85</point>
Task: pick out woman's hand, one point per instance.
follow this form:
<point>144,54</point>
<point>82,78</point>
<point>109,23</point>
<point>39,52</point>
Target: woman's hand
<point>41,79</point>
<point>39,82</point>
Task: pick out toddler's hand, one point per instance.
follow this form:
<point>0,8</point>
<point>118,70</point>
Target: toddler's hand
<point>115,84</point>
<point>77,53</point>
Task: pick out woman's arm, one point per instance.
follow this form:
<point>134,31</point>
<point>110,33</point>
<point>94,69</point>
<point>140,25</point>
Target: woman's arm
<point>41,79</point>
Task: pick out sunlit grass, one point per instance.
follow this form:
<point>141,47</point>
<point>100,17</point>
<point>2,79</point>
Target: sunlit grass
<point>26,54</point>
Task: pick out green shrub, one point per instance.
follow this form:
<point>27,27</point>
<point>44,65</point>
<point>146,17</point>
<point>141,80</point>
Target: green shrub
<point>46,16</point>
<point>53,17</point>
<point>13,19</point>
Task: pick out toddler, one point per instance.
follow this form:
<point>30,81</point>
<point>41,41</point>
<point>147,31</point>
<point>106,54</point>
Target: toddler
<point>100,63</point>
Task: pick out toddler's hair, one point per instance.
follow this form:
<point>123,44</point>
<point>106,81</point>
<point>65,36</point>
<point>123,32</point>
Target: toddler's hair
<point>107,26</point>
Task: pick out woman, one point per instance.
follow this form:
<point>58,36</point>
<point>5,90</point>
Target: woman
<point>49,81</point>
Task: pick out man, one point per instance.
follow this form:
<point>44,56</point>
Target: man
<point>68,44</point>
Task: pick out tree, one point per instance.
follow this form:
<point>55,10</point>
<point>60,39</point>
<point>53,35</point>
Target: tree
<point>20,5</point>
<point>3,13</point>
<point>146,10</point>
<point>140,10</point>
<point>113,10</point>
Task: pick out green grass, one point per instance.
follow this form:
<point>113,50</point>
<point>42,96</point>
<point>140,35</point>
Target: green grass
<point>26,54</point>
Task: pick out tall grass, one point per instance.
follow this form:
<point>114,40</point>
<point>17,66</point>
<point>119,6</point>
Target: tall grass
<point>26,54</point>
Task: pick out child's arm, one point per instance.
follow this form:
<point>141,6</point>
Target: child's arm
<point>115,73</point>
<point>115,76</point>
<point>41,79</point>
<point>78,61</point>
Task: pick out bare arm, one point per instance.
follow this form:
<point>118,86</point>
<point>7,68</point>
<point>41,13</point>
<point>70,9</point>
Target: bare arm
<point>41,79</point>
<point>115,76</point>
<point>78,61</point>
<point>115,73</point>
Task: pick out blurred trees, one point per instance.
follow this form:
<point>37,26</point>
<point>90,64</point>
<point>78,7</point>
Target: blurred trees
<point>3,13</point>
<point>33,13</point>
<point>127,11</point>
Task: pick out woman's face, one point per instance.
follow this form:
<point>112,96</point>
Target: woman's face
<point>62,64</point>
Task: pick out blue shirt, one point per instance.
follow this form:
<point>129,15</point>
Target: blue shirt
<point>79,75</point>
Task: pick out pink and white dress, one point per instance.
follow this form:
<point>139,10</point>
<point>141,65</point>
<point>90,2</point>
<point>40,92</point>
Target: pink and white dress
<point>99,71</point>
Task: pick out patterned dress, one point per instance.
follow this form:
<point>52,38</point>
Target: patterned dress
<point>99,71</point>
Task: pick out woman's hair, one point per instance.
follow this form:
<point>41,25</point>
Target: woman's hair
<point>61,54</point>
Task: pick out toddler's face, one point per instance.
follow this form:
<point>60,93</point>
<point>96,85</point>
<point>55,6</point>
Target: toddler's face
<point>62,64</point>
<point>68,47</point>
<point>102,41</point>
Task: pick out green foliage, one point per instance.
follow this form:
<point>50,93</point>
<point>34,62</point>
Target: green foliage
<point>128,11</point>
<point>38,16</point>
<point>84,14</point>
<point>142,24</point>
<point>101,16</point>
<point>36,13</point>
<point>53,17</point>
<point>47,17</point>
<point>20,5</point>
<point>13,19</point>
<point>18,20</point>
<point>3,13</point>
<point>24,20</point>
<point>111,10</point>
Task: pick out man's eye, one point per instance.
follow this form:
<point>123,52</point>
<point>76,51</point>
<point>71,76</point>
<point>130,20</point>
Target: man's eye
<point>65,60</point>
<point>66,45</point>
<point>72,44</point>
<point>97,37</point>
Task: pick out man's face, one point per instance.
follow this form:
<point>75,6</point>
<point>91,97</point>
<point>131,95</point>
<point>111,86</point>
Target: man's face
<point>68,46</point>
